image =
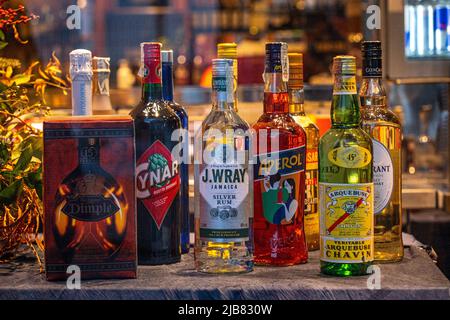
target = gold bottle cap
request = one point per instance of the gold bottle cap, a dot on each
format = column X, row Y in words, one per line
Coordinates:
column 344, row 65
column 227, row 50
column 295, row 70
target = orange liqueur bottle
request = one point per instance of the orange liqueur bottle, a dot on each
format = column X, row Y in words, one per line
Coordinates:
column 279, row 172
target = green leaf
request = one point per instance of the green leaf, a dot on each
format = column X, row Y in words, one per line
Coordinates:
column 21, row 79
column 4, row 154
column 33, row 179
column 2, row 35
column 9, row 194
column 3, row 44
column 24, row 159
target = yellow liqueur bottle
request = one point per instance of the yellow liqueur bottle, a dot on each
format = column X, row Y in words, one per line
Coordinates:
column 297, row 111
column 385, row 129
column 228, row 50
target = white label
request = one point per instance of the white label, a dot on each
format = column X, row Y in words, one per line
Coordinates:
column 383, row 176
column 224, row 203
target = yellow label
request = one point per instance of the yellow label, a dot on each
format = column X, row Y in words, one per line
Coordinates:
column 345, row 85
column 351, row 157
column 346, row 222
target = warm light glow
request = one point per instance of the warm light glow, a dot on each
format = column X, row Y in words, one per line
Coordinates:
column 82, row 4
column 412, row 170
column 181, row 59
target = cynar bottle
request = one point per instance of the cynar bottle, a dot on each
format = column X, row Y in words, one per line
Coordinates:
column 157, row 169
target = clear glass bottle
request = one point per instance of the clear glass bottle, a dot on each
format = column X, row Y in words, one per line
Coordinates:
column 223, row 177
column 345, row 181
column 385, row 129
column 297, row 111
column 101, row 101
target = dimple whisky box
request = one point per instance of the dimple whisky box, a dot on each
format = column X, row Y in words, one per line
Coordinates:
column 89, row 197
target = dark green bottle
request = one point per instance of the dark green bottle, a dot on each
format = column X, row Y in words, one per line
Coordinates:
column 345, row 181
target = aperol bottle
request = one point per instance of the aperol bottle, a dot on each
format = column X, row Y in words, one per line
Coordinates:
column 279, row 170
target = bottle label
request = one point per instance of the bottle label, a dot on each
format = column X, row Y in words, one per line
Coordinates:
column 372, row 68
column 311, row 187
column 224, row 202
column 344, row 85
column 277, row 183
column 346, row 222
column 223, row 86
column 351, row 157
column 383, row 176
column 277, row 60
column 158, row 180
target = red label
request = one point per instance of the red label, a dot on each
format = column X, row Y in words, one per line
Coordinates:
column 158, row 180
column 151, row 53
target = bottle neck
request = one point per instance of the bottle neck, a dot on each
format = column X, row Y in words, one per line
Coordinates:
column 101, row 98
column 223, row 100
column 372, row 93
column 88, row 152
column 297, row 101
column 276, row 98
column 82, row 95
column 151, row 92
column 167, row 79
column 345, row 108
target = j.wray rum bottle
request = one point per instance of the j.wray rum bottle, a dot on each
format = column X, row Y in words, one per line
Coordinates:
column 279, row 170
column 223, row 174
column 385, row 129
column 157, row 171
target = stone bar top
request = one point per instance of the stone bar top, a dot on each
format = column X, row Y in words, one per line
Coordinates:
column 416, row 277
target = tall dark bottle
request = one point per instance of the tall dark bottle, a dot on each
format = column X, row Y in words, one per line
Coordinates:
column 157, row 170
column 167, row 78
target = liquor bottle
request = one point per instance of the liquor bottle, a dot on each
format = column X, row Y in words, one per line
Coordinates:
column 345, row 181
column 101, row 101
column 91, row 213
column 229, row 51
column 385, row 129
column 279, row 172
column 167, row 78
column 223, row 216
column 157, row 171
column 297, row 111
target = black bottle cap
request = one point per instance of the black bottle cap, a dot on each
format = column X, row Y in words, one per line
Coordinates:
column 372, row 59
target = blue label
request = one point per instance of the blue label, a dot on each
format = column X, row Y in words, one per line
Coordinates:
column 283, row 163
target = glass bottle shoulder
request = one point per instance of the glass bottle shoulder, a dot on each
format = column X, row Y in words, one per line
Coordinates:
column 178, row 108
column 380, row 115
column 223, row 120
column 281, row 121
column 341, row 137
column 156, row 109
